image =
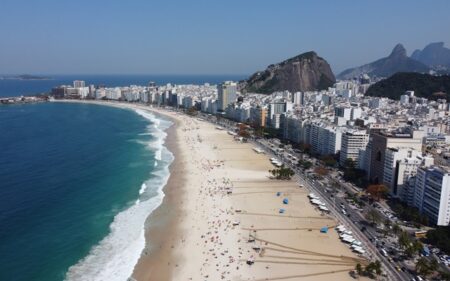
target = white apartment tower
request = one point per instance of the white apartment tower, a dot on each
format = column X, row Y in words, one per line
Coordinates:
column 79, row 84
column 226, row 94
column 432, row 194
column 352, row 142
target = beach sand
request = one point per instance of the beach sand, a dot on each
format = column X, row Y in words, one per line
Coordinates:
column 201, row 232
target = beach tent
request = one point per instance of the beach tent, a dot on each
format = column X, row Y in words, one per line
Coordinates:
column 282, row 211
column 324, row 229
column 285, row 201
column 278, row 193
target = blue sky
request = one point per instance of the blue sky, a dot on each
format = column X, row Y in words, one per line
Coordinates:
column 207, row 37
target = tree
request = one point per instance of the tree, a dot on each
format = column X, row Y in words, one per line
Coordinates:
column 377, row 267
column 403, row 240
column 373, row 216
column 349, row 164
column 321, row 171
column 444, row 275
column 417, row 246
column 373, row 267
column 305, row 164
column 305, row 147
column 243, row 131
column 329, row 160
column 423, row 267
column 377, row 191
column 282, row 173
column 192, row 111
column 359, row 269
column 439, row 237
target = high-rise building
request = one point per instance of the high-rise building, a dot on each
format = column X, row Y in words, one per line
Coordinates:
column 226, row 94
column 345, row 112
column 78, row 84
column 432, row 194
column 352, row 142
column 401, row 164
column 299, row 98
column 379, row 141
column 258, row 116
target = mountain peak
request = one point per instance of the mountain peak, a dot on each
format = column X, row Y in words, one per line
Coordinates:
column 304, row 72
column 398, row 51
column 397, row 61
column 434, row 55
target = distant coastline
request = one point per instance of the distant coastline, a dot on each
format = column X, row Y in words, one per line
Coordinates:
column 25, row 77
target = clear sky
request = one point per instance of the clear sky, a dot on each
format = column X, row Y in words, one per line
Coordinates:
column 207, row 37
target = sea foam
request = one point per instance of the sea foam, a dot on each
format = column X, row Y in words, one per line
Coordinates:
column 116, row 255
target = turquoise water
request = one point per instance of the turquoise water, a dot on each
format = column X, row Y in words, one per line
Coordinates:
column 72, row 189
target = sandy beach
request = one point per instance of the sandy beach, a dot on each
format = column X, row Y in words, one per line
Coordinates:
column 218, row 198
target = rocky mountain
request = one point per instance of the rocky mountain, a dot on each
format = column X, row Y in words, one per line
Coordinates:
column 424, row 85
column 434, row 55
column 305, row 72
column 397, row 61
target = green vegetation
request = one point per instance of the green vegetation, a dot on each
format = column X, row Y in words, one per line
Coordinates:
column 192, row 111
column 304, row 148
column 424, row 267
column 411, row 247
column 439, row 237
column 329, row 160
column 408, row 213
column 305, row 164
column 370, row 270
column 377, row 191
column 423, row 85
column 353, row 174
column 373, row 216
column 282, row 173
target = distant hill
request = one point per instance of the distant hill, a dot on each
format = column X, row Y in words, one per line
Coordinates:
column 423, row 85
column 25, row 77
column 305, row 72
column 435, row 55
column 397, row 61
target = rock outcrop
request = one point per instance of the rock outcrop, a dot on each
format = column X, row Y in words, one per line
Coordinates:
column 305, row 72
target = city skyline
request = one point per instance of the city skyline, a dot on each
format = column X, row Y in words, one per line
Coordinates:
column 207, row 38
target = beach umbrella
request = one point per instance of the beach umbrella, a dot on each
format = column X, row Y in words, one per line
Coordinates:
column 324, row 229
column 282, row 211
column 278, row 193
column 285, row 201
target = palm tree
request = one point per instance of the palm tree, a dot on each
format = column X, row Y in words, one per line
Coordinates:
column 377, row 267
column 359, row 269
column 417, row 246
column 403, row 240
column 422, row 267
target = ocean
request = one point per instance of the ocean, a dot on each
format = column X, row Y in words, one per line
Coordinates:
column 77, row 183
column 12, row 88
